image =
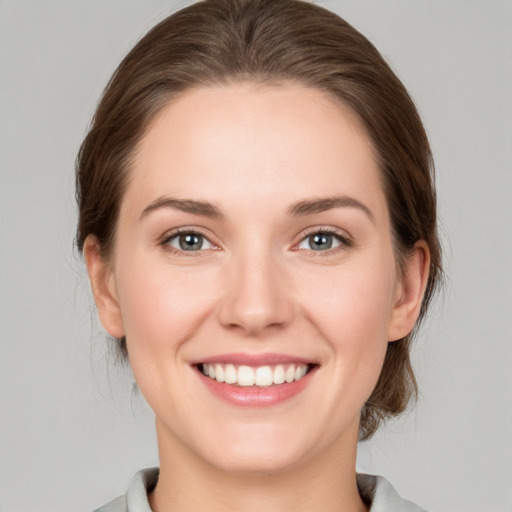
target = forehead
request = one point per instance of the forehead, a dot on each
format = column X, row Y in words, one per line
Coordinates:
column 253, row 142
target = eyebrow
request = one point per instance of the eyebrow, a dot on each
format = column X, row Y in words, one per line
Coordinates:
column 319, row 205
column 202, row 208
column 299, row 209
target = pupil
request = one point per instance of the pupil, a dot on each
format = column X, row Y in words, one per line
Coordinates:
column 320, row 241
column 190, row 242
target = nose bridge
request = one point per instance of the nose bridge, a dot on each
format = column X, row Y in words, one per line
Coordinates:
column 256, row 295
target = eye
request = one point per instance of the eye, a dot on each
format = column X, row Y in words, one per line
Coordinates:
column 322, row 241
column 189, row 241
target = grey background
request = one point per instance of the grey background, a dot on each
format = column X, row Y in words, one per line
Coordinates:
column 71, row 431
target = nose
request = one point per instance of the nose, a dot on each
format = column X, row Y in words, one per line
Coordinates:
column 257, row 297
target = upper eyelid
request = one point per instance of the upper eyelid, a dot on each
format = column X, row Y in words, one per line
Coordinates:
column 342, row 233
column 184, row 230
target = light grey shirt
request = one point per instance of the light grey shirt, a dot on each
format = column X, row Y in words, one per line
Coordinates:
column 373, row 489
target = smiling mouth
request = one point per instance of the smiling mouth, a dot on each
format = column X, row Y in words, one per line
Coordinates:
column 259, row 376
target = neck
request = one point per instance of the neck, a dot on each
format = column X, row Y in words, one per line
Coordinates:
column 189, row 483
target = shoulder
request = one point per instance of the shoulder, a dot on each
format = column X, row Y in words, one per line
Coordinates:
column 377, row 491
column 136, row 498
column 116, row 505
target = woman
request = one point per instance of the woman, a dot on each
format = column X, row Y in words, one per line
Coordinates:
column 258, row 220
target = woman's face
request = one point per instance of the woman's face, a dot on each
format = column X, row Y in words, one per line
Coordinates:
column 254, row 244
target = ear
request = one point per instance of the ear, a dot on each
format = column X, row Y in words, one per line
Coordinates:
column 103, row 287
column 410, row 291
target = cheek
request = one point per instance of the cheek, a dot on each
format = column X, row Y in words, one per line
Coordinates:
column 348, row 299
column 351, row 309
column 161, row 306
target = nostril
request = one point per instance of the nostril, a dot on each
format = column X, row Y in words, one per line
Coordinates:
column 256, row 299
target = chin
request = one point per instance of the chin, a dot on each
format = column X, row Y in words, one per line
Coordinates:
column 258, row 452
column 255, row 464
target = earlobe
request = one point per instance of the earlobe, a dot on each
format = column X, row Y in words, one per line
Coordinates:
column 410, row 292
column 103, row 288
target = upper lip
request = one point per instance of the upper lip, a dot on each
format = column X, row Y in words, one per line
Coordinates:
column 239, row 359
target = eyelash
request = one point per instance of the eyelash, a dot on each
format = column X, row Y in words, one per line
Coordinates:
column 345, row 242
column 168, row 237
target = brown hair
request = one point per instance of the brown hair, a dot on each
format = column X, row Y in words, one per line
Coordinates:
column 220, row 41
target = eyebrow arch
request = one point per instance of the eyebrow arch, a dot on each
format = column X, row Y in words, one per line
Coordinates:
column 312, row 206
column 185, row 205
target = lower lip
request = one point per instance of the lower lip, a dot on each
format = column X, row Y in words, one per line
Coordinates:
column 251, row 396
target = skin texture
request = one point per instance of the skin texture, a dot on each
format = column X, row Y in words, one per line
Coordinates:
column 257, row 286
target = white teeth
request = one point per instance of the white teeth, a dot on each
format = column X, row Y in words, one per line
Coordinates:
column 219, row 373
column 245, row 376
column 300, row 372
column 262, row 376
column 278, row 374
column 230, row 374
